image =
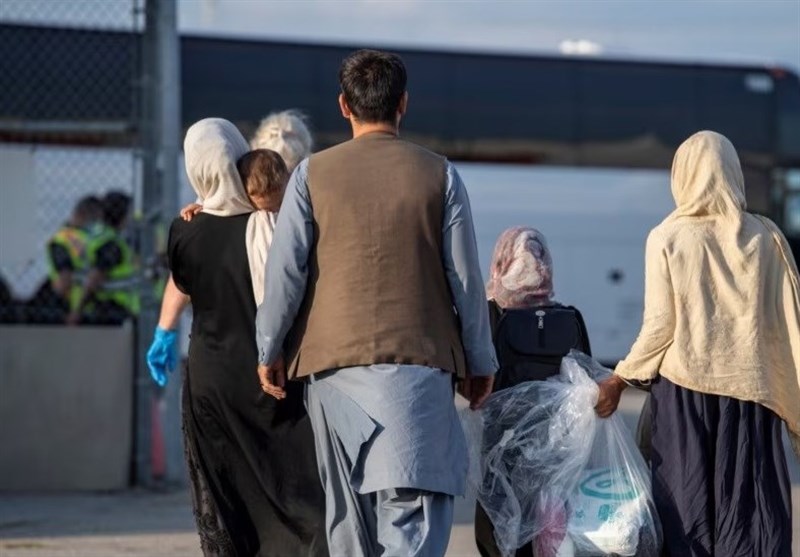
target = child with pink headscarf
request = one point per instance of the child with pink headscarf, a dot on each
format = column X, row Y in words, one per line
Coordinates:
column 521, row 273
column 520, row 278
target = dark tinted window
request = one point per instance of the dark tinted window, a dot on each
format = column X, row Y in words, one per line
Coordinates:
column 513, row 98
column 246, row 80
column 788, row 100
column 626, row 103
column 428, row 117
column 738, row 105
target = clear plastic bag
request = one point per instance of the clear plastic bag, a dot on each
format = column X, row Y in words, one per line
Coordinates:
column 554, row 473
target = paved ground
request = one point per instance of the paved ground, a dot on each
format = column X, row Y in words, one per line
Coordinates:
column 146, row 524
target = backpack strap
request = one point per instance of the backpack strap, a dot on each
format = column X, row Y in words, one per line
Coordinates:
column 496, row 314
column 586, row 348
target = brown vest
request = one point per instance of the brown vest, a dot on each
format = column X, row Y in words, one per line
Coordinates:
column 377, row 289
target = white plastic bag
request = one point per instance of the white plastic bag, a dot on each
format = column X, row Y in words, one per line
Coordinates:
column 552, row 469
column 472, row 424
column 606, row 517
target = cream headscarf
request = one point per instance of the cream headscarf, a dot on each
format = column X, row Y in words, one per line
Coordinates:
column 707, row 181
column 211, row 148
column 521, row 273
column 707, row 178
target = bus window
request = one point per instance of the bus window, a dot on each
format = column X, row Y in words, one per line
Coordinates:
column 624, row 102
column 267, row 77
column 788, row 100
column 730, row 105
column 513, row 98
column 428, row 81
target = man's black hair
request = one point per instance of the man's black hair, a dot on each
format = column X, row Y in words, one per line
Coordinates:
column 115, row 208
column 89, row 208
column 373, row 84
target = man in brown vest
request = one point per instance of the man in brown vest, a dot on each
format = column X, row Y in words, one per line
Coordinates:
column 374, row 295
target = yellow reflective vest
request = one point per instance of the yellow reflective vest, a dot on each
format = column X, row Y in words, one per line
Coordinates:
column 122, row 281
column 76, row 242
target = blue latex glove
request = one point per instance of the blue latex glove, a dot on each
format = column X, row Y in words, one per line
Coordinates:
column 161, row 357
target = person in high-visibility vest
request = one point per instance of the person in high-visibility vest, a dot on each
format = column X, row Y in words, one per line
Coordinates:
column 110, row 295
column 67, row 259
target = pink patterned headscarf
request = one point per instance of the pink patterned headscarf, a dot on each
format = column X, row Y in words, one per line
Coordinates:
column 521, row 273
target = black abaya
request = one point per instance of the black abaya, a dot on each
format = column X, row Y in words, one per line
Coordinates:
column 251, row 458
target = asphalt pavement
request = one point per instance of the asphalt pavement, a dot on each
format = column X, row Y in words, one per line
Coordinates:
column 160, row 524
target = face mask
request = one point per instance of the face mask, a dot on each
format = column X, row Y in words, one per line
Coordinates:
column 94, row 228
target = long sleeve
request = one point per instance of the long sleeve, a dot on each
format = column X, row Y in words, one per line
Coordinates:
column 460, row 254
column 658, row 324
column 286, row 272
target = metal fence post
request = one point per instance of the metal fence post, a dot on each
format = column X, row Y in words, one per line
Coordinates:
column 168, row 152
column 160, row 127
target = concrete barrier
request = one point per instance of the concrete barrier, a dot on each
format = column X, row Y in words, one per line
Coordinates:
column 66, row 407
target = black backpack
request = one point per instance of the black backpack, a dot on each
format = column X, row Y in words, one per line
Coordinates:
column 530, row 343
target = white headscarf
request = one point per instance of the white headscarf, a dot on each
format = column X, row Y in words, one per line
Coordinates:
column 287, row 134
column 211, row 148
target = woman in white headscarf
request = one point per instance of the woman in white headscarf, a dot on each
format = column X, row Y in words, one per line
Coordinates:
column 720, row 342
column 287, row 134
column 251, row 457
column 284, row 132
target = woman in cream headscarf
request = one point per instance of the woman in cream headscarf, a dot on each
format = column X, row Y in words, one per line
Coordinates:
column 251, row 458
column 720, row 342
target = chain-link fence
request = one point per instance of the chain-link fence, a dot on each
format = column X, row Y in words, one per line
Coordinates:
column 69, row 121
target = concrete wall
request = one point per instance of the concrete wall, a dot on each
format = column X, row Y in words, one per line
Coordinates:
column 66, row 407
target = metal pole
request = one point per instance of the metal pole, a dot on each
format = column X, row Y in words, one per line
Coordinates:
column 168, row 153
column 170, row 107
column 160, row 129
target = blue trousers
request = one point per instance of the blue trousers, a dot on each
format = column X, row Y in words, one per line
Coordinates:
column 399, row 522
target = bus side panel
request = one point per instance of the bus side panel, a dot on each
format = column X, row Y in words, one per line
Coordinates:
column 596, row 222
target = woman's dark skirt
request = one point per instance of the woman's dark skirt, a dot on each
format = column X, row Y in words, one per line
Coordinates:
column 720, row 480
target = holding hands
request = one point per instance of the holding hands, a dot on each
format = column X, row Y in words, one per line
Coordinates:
column 610, row 393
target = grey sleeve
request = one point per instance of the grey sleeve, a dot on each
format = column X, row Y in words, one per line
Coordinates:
column 460, row 254
column 287, row 267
